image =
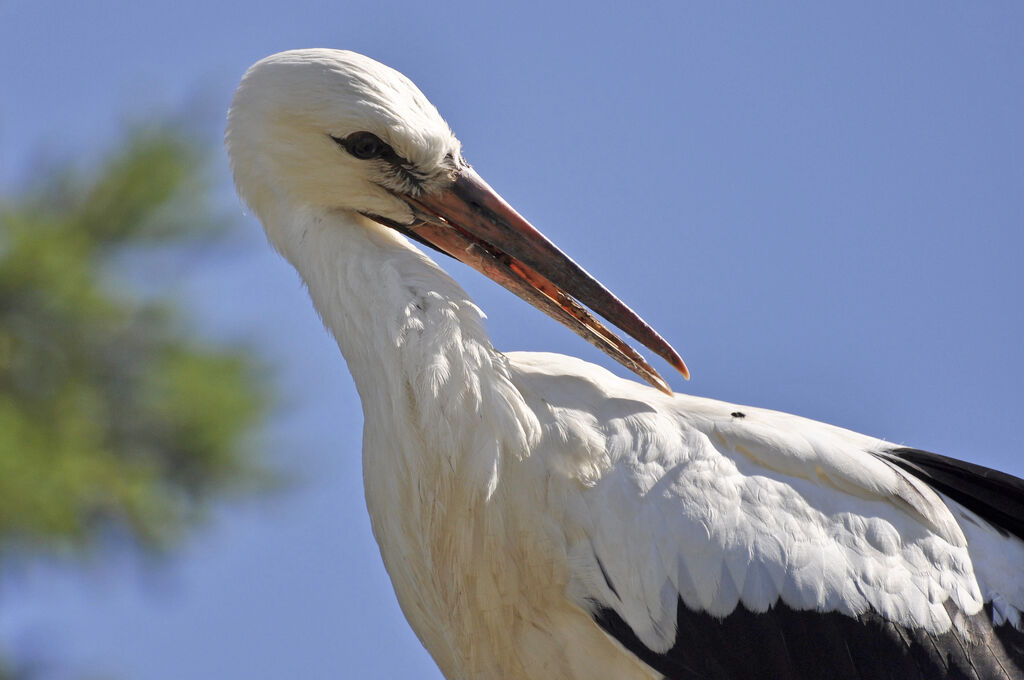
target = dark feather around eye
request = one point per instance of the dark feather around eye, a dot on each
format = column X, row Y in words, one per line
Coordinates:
column 364, row 145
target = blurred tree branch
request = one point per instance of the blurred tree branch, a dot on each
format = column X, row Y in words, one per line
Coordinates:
column 113, row 421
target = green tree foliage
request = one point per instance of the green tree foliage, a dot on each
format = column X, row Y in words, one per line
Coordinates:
column 113, row 421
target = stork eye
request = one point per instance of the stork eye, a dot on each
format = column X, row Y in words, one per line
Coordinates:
column 363, row 145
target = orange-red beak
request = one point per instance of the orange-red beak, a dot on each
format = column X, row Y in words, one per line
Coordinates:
column 470, row 222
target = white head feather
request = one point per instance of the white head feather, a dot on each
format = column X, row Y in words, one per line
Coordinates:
column 290, row 106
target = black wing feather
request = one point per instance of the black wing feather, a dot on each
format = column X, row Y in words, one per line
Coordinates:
column 786, row 644
column 994, row 496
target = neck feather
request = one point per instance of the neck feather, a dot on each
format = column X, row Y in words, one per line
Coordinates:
column 413, row 339
column 444, row 428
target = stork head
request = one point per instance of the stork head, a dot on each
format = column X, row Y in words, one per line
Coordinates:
column 336, row 131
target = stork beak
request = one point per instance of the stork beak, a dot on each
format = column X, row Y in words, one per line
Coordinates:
column 473, row 224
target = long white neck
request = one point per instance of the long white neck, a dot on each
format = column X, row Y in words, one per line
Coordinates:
column 442, row 419
column 413, row 339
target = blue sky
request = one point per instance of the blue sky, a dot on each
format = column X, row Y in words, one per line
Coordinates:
column 821, row 207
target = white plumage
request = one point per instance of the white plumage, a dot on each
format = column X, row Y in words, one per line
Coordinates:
column 535, row 512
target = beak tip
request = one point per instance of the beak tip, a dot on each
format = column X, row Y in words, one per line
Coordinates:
column 473, row 224
column 680, row 365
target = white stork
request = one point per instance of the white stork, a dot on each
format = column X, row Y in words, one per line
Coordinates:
column 542, row 518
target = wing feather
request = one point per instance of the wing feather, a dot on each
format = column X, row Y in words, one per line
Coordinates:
column 690, row 510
